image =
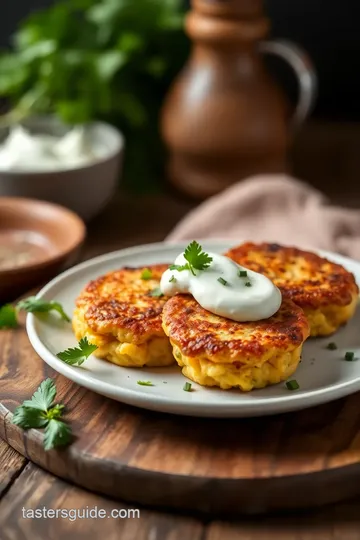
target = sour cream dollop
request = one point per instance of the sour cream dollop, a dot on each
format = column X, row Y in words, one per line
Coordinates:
column 225, row 288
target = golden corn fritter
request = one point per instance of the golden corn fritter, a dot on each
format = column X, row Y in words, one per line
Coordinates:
column 214, row 351
column 326, row 292
column 117, row 313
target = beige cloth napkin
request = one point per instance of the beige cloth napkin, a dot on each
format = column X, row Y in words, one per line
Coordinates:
column 274, row 208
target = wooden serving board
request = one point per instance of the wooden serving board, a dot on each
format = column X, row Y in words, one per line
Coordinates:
column 293, row 460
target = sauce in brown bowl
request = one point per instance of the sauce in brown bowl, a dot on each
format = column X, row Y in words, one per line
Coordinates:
column 37, row 240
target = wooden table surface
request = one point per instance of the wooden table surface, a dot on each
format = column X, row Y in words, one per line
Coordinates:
column 130, row 221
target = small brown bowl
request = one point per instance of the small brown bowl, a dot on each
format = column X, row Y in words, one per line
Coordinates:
column 37, row 241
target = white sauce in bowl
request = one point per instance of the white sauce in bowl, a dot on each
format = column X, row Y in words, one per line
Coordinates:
column 25, row 151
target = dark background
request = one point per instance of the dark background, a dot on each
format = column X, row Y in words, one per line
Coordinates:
column 328, row 29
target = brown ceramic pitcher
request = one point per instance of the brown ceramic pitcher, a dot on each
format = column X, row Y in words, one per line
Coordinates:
column 225, row 118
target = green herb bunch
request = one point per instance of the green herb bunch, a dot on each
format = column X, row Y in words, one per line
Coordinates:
column 41, row 412
column 98, row 59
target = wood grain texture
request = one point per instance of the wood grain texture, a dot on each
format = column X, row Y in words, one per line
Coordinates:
column 229, row 466
column 11, row 465
column 36, row 489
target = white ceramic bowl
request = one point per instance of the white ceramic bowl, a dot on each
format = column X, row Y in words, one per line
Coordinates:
column 86, row 189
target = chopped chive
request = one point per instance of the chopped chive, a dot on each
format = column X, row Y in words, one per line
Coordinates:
column 172, row 279
column 145, row 383
column 349, row 356
column 222, row 281
column 292, row 385
column 156, row 292
column 187, row 387
column 331, row 346
column 146, row 274
column 248, row 284
column 242, row 273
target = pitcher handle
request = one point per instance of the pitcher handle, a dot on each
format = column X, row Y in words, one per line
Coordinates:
column 305, row 71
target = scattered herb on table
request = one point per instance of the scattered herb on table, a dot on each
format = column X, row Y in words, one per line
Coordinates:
column 222, row 281
column 248, row 284
column 8, row 317
column 242, row 273
column 331, row 346
column 8, row 313
column 292, row 385
column 41, row 412
column 146, row 274
column 196, row 259
column 145, row 383
column 349, row 356
column 77, row 355
column 187, row 387
column 37, row 305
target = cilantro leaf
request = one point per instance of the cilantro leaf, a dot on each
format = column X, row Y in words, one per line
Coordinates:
column 77, row 355
column 8, row 317
column 40, row 412
column 196, row 257
column 37, row 305
column 57, row 433
column 27, row 418
column 43, row 397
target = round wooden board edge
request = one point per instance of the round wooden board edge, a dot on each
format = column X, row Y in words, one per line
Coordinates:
column 224, row 496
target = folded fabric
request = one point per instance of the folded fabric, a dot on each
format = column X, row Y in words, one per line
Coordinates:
column 274, row 208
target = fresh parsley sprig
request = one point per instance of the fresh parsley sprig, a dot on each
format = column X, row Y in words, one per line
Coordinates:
column 196, row 259
column 37, row 305
column 77, row 355
column 41, row 412
column 8, row 313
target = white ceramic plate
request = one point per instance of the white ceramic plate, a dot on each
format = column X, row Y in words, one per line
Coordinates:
column 323, row 375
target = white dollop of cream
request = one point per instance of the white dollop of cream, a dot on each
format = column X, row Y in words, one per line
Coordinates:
column 233, row 300
column 25, row 151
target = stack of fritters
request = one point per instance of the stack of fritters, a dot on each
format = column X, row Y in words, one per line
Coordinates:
column 132, row 325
